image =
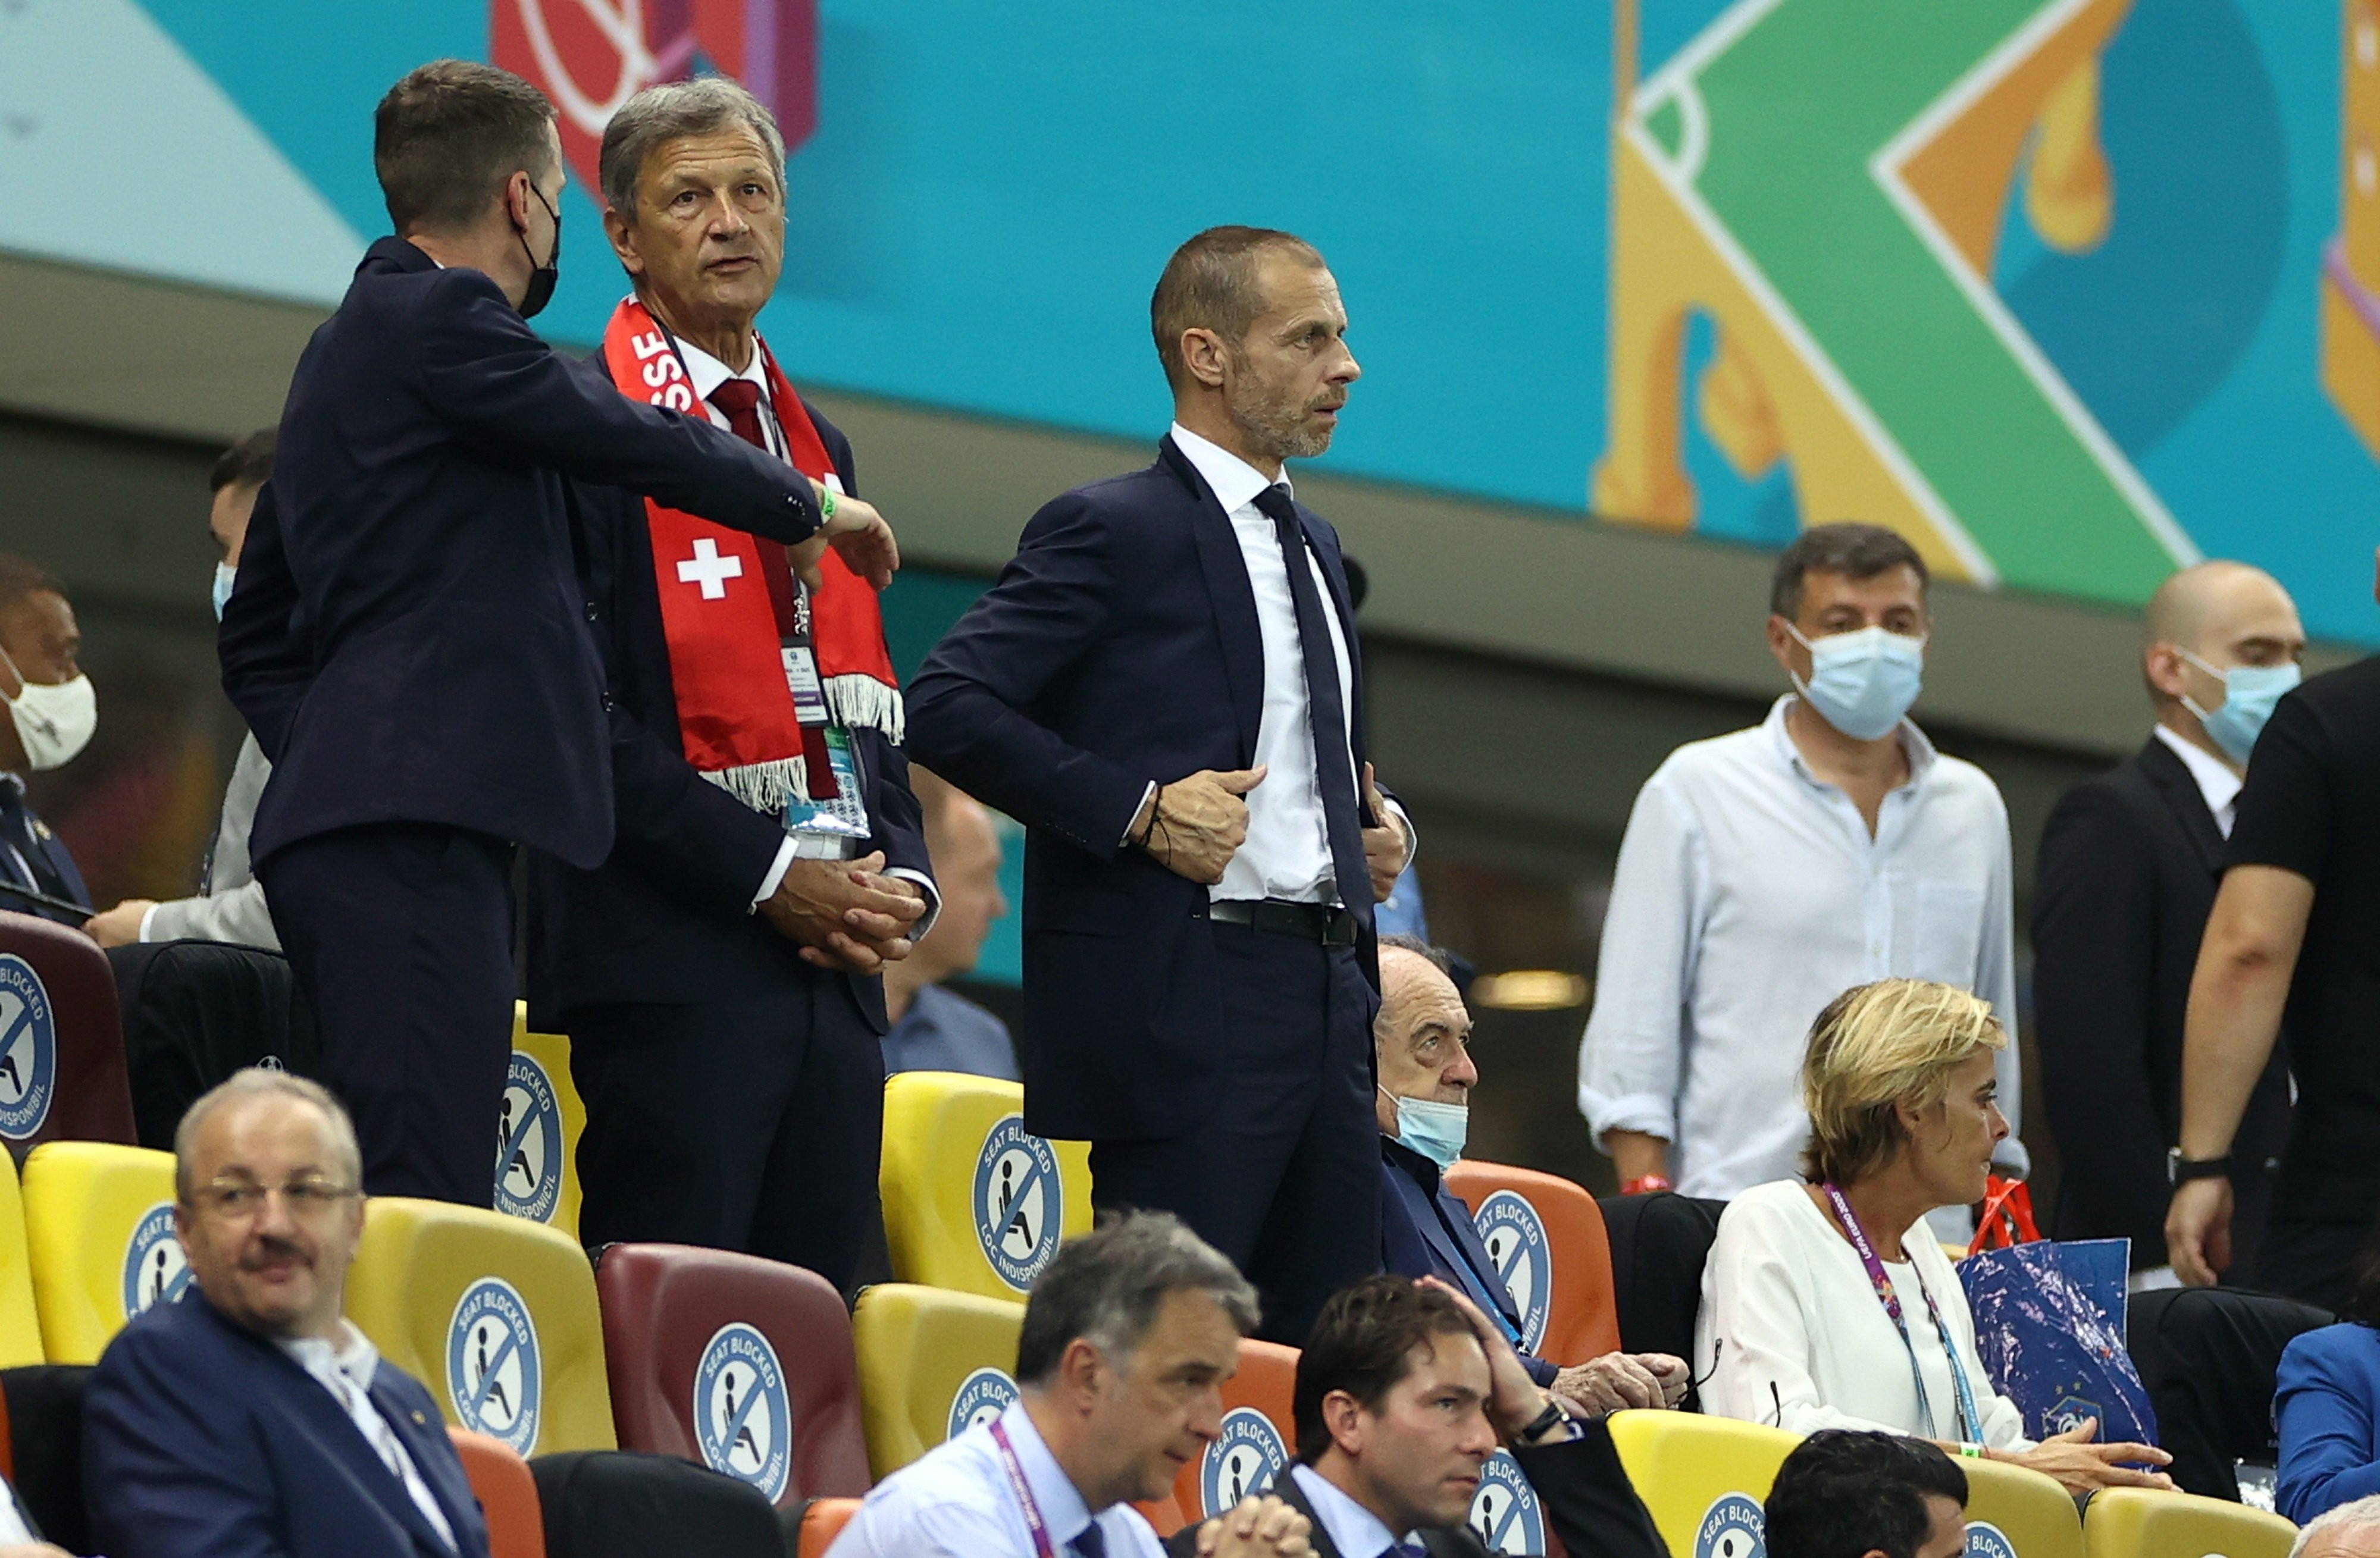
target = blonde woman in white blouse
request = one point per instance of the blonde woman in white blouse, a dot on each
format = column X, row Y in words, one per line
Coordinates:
column 1828, row 1304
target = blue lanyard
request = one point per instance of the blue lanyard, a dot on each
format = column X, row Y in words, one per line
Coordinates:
column 1970, row 1421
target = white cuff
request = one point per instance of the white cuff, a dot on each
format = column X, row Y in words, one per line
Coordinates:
column 1147, row 796
column 1412, row 834
column 776, row 876
column 1647, row 1114
column 933, row 900
column 148, row 918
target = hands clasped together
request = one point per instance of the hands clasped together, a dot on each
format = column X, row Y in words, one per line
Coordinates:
column 847, row 914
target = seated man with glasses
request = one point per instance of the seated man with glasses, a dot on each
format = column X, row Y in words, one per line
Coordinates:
column 252, row 1419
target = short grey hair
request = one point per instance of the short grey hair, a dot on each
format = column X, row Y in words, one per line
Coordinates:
column 2365, row 1510
column 1438, row 958
column 255, row 1083
column 706, row 105
column 1107, row 1286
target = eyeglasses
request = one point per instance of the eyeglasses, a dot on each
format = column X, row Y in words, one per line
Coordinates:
column 236, row 1200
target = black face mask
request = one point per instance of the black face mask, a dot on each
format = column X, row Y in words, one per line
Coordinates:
column 541, row 277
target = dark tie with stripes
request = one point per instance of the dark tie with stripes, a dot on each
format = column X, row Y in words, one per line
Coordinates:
column 1326, row 710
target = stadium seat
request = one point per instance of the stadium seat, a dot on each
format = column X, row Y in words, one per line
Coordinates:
column 1260, row 1433
column 1547, row 1235
column 62, row 1074
column 2036, row 1515
column 537, row 1132
column 930, row 1363
column 20, row 1322
column 1703, row 1478
column 507, row 1494
column 742, row 1364
column 822, row 1521
column 2142, row 1523
column 99, row 1236
column 496, row 1315
column 971, row 1202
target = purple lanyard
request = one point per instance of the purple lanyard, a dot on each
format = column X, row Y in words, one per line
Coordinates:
column 1033, row 1521
column 1970, row 1423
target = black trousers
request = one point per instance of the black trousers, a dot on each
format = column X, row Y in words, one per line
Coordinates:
column 400, row 934
column 2313, row 1262
column 753, row 1125
column 2208, row 1356
column 1285, row 1177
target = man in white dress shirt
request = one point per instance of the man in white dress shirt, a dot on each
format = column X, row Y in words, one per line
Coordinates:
column 1765, row 872
column 1165, row 686
column 1129, row 1333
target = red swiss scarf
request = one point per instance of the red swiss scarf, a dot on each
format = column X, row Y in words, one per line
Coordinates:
column 735, row 706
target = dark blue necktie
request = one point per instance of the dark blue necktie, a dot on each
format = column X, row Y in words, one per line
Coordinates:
column 1326, row 711
column 1091, row 1543
column 16, row 827
column 1407, row 1550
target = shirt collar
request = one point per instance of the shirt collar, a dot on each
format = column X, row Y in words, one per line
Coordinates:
column 2215, row 781
column 1232, row 480
column 708, row 372
column 350, row 1353
column 1355, row 1531
column 1063, row 1513
column 1913, row 745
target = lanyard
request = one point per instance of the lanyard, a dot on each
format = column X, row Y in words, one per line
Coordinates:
column 1033, row 1521
column 1970, row 1422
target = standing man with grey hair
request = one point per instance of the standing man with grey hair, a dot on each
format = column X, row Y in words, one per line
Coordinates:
column 1129, row 1333
column 407, row 637
column 1765, row 872
column 2351, row 1531
column 719, row 976
column 1166, row 688
column 251, row 1417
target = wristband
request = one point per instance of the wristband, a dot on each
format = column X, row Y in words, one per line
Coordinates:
column 826, row 504
column 1543, row 1421
column 1644, row 1182
column 1971, row 1451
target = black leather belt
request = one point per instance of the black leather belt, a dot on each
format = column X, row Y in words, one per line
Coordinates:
column 1325, row 922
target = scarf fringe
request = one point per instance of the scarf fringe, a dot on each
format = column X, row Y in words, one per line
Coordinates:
column 856, row 698
column 764, row 787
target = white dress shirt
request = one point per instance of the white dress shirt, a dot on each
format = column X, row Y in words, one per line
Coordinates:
column 1287, row 854
column 1749, row 894
column 2216, row 779
column 1355, row 1531
column 345, row 1367
column 707, row 373
column 1792, row 1335
column 956, row 1502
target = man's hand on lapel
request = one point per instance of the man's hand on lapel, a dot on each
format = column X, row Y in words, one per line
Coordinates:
column 1387, row 847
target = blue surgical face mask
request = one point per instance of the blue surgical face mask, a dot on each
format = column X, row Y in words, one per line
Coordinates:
column 1435, row 1130
column 1863, row 683
column 2249, row 694
column 225, row 574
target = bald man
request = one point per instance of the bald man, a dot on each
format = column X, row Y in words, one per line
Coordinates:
column 2129, row 863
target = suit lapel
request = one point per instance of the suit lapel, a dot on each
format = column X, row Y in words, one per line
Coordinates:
column 1294, row 1496
column 1475, row 1249
column 2173, row 781
column 424, row 1438
column 1234, row 599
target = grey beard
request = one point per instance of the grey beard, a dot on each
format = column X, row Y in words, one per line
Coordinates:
column 1274, row 427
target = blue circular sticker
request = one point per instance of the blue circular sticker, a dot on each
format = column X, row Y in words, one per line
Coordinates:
column 1515, row 1237
column 529, row 1142
column 1505, row 1514
column 743, row 1416
column 1987, row 1540
column 28, row 1049
column 494, row 1375
column 1241, row 1463
column 982, row 1396
column 1019, row 1202
column 154, row 1270
column 1732, row 1527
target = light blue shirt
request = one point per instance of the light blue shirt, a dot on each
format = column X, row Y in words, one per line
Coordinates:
column 1355, row 1531
column 956, row 1502
column 943, row 1031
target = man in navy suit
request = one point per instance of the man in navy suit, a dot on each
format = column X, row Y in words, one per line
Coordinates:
column 719, row 974
column 407, row 637
column 1164, row 686
column 252, row 1419
column 52, row 712
column 1423, row 1036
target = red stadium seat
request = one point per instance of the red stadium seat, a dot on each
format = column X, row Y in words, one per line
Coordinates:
column 824, row 1521
column 62, row 1075
column 507, row 1494
column 1259, row 1434
column 689, row 1332
column 1548, row 1234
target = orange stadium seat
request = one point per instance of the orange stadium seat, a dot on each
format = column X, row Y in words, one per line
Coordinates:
column 1260, row 1433
column 822, row 1521
column 507, row 1494
column 742, row 1364
column 1546, row 1236
column 62, row 1073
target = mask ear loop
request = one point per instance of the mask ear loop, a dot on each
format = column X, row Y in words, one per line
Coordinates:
column 2192, row 704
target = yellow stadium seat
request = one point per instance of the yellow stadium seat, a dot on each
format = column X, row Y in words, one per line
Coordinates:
column 971, row 1202
column 20, row 1322
column 2031, row 1514
column 2138, row 1523
column 495, row 1314
column 99, row 1237
column 931, row 1363
column 1703, row 1478
column 537, row 1133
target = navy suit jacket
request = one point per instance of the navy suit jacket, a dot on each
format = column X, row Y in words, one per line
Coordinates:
column 202, row 1439
column 1426, row 1231
column 668, row 917
column 1119, row 647
column 40, row 837
column 407, row 637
